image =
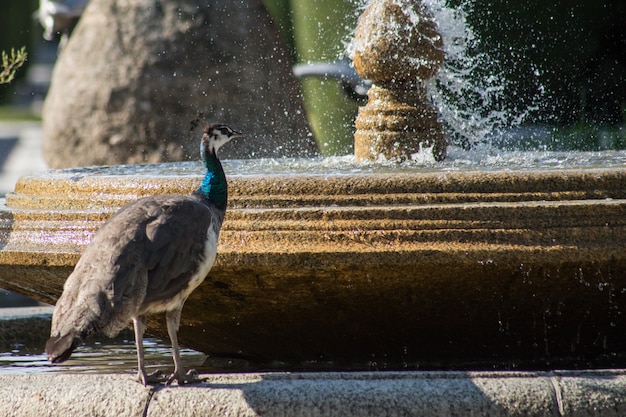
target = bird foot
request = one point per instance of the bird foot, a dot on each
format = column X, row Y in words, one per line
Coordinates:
column 190, row 377
column 157, row 377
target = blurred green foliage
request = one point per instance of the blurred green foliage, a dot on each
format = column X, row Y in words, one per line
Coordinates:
column 11, row 63
column 17, row 24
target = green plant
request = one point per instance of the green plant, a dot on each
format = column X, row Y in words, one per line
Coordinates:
column 11, row 63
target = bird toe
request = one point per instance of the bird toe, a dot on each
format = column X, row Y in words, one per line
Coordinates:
column 190, row 377
column 157, row 377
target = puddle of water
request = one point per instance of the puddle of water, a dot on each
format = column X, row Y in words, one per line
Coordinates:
column 99, row 356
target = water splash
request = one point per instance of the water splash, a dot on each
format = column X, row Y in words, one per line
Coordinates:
column 479, row 158
column 470, row 90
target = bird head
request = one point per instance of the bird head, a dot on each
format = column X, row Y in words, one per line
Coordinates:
column 215, row 135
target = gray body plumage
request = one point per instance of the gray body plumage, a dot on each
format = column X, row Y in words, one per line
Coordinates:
column 157, row 247
column 146, row 259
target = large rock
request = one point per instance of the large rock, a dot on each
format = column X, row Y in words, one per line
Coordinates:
column 136, row 72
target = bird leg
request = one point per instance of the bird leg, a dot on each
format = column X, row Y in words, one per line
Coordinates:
column 139, row 324
column 173, row 323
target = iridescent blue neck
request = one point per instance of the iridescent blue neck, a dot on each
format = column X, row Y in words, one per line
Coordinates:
column 214, row 187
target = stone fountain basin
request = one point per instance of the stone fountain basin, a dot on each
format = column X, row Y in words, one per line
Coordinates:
column 369, row 269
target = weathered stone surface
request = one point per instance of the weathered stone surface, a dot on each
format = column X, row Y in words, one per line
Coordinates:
column 397, row 124
column 24, row 326
column 72, row 395
column 369, row 270
column 135, row 73
column 397, row 46
column 364, row 394
column 397, row 41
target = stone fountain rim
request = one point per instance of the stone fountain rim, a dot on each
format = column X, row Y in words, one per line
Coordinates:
column 371, row 168
column 99, row 174
column 369, row 224
column 105, row 188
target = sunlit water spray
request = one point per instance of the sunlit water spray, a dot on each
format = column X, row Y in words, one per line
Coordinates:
column 468, row 91
column 474, row 99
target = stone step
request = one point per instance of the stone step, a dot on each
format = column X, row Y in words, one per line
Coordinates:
column 419, row 394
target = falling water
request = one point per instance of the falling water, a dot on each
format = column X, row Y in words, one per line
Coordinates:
column 472, row 94
column 469, row 89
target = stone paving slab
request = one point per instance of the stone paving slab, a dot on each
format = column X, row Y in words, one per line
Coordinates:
column 591, row 393
column 72, row 395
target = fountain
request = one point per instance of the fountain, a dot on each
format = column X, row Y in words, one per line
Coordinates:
column 398, row 48
column 334, row 264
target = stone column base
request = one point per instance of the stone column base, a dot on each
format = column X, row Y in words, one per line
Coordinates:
column 397, row 125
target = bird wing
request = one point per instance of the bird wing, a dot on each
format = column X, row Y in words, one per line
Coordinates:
column 177, row 247
column 143, row 253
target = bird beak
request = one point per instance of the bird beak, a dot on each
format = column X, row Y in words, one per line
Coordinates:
column 237, row 134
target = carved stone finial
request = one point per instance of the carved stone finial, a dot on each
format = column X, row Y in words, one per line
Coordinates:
column 397, row 46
